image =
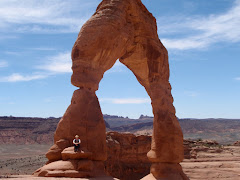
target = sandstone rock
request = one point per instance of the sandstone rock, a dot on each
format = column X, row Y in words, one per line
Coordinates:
column 72, row 168
column 68, row 153
column 118, row 30
column 85, row 165
column 59, row 166
column 127, row 158
column 124, row 30
column 84, row 117
column 54, row 153
column 170, row 171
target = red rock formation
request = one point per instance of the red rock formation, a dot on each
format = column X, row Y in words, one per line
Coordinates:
column 84, row 117
column 54, row 153
column 72, row 168
column 124, row 30
column 127, row 158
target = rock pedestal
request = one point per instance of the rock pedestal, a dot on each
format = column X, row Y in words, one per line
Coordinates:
column 74, row 164
column 124, row 30
column 163, row 171
column 83, row 117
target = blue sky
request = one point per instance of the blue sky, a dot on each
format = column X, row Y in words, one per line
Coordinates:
column 202, row 38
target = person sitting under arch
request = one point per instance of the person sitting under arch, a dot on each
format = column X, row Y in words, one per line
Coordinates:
column 76, row 143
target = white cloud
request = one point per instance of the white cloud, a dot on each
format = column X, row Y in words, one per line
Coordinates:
column 191, row 93
column 184, row 44
column 3, row 64
column 201, row 32
column 16, row 77
column 43, row 16
column 60, row 63
column 237, row 78
column 125, row 100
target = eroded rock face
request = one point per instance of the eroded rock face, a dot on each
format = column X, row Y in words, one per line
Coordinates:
column 127, row 158
column 84, row 117
column 124, row 30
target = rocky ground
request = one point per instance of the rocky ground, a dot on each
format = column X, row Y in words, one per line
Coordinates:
column 204, row 159
column 214, row 163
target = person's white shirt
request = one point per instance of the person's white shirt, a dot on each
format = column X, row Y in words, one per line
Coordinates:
column 75, row 142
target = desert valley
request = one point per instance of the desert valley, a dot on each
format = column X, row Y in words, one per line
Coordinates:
column 211, row 150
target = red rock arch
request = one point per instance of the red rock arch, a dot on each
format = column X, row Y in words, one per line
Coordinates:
column 124, row 30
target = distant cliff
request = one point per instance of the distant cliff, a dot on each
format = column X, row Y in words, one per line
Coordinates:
column 30, row 130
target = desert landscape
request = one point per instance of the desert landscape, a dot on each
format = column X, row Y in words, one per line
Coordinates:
column 119, row 90
column 204, row 158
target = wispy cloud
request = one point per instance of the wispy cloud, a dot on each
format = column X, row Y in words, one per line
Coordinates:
column 200, row 32
column 44, row 16
column 3, row 64
column 60, row 63
column 125, row 100
column 48, row 100
column 14, row 53
column 191, row 93
column 16, row 77
column 237, row 78
column 42, row 49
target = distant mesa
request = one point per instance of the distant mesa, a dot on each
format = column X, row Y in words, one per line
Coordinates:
column 145, row 117
column 30, row 130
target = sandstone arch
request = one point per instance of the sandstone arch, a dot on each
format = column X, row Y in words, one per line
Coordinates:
column 124, row 30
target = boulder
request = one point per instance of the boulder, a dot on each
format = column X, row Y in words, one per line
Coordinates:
column 54, row 153
column 72, row 168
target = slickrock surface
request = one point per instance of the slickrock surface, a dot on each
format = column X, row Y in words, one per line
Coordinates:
column 72, row 168
column 220, row 163
column 68, row 153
